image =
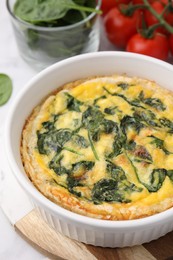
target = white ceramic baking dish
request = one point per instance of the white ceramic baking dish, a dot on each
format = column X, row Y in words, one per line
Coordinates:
column 88, row 230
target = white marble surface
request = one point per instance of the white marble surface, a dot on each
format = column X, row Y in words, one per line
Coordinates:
column 15, row 203
column 12, row 246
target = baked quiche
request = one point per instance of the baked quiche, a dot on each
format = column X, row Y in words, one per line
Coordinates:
column 103, row 147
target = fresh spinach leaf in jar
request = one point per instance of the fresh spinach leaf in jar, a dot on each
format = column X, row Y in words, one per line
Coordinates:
column 54, row 14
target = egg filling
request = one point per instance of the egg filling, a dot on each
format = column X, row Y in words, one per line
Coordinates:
column 103, row 147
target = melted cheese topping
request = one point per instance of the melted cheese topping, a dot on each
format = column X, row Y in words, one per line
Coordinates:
column 106, row 142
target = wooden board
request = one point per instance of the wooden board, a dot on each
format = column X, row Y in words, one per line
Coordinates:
column 56, row 246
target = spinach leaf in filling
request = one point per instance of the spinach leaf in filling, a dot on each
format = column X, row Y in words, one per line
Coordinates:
column 123, row 85
column 81, row 141
column 156, row 180
column 159, row 144
column 106, row 190
column 111, row 110
column 115, row 188
column 118, row 144
column 73, row 183
column 146, row 116
column 109, row 126
column 135, row 103
column 97, row 99
column 82, row 166
column 46, row 143
column 50, row 125
column 118, row 174
column 55, row 164
column 92, row 118
column 53, row 140
column 139, row 152
column 166, row 123
column 152, row 102
column 130, row 122
column 73, row 103
column 170, row 174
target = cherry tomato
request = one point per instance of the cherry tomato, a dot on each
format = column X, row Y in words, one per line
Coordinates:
column 138, row 2
column 169, row 14
column 120, row 28
column 157, row 47
column 169, row 18
column 171, row 43
column 165, row 2
column 106, row 5
column 151, row 19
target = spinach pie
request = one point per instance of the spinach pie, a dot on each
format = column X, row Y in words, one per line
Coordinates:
column 103, row 147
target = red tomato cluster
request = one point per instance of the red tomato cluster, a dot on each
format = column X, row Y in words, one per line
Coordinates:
column 124, row 30
column 108, row 4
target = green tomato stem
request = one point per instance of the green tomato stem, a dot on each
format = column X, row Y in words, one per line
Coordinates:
column 166, row 8
column 128, row 10
column 149, row 33
column 159, row 17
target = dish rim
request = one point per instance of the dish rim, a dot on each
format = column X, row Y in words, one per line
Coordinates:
column 38, row 196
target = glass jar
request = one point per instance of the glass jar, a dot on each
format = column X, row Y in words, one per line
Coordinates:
column 43, row 46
